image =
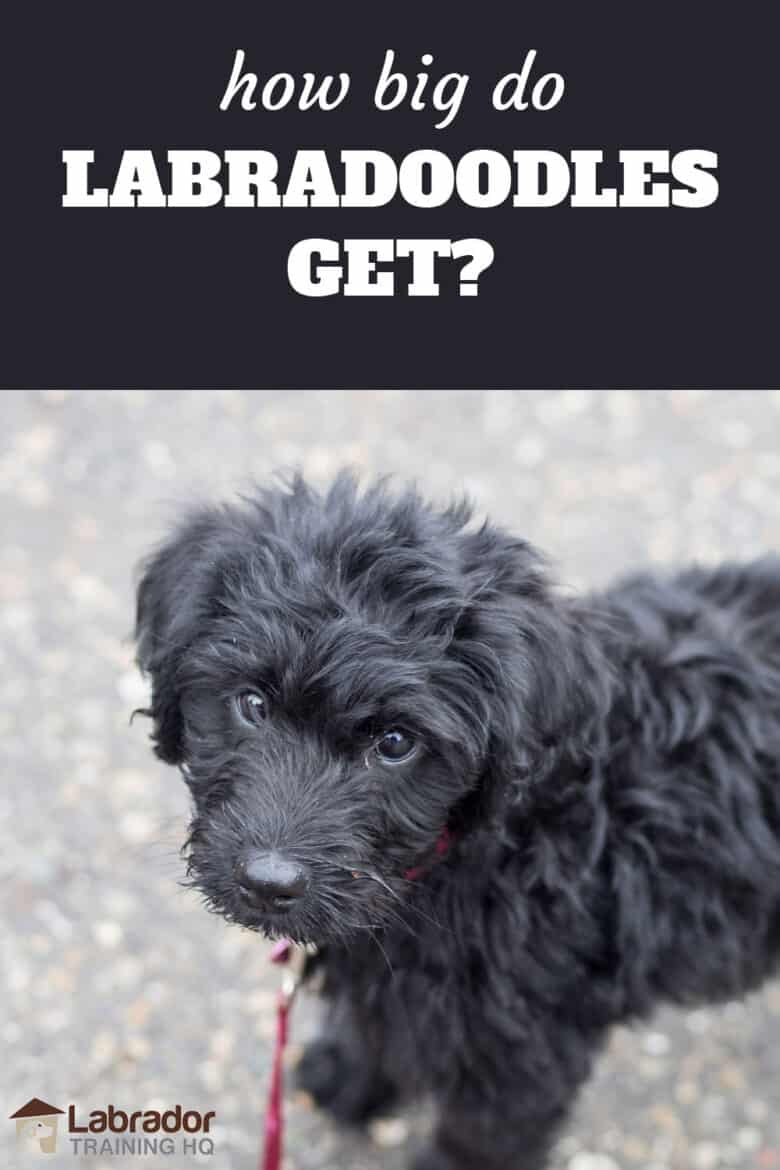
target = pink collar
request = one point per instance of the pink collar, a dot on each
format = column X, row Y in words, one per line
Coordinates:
column 443, row 845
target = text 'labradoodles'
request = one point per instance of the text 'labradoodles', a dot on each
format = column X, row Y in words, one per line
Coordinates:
column 508, row 819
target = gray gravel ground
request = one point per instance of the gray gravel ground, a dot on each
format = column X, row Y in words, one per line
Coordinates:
column 118, row 986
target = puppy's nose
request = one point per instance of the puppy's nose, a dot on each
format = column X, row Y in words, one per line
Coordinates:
column 269, row 880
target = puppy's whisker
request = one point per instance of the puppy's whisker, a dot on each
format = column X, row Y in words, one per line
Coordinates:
column 381, row 881
column 429, row 919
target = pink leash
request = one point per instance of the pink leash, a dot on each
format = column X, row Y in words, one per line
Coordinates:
column 271, row 1157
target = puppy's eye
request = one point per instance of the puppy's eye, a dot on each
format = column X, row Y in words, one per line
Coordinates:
column 395, row 747
column 252, row 707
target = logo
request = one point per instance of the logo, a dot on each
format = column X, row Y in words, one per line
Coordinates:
column 114, row 1132
column 36, row 1126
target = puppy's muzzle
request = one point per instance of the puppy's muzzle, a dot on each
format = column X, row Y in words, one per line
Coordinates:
column 269, row 881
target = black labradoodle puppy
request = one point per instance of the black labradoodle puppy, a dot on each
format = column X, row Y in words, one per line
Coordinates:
column 507, row 818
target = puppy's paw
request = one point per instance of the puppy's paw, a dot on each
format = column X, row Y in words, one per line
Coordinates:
column 321, row 1070
column 431, row 1157
column 341, row 1083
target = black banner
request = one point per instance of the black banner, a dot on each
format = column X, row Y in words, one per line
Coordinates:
column 315, row 195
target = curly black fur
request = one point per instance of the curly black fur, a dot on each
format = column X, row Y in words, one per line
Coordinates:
column 608, row 769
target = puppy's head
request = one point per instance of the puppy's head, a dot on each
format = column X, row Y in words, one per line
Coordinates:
column 340, row 677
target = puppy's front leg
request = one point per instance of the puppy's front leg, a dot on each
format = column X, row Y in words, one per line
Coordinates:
column 505, row 1115
column 495, row 1135
column 342, row 1071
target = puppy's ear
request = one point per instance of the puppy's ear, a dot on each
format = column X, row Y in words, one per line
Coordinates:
column 176, row 593
column 544, row 678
